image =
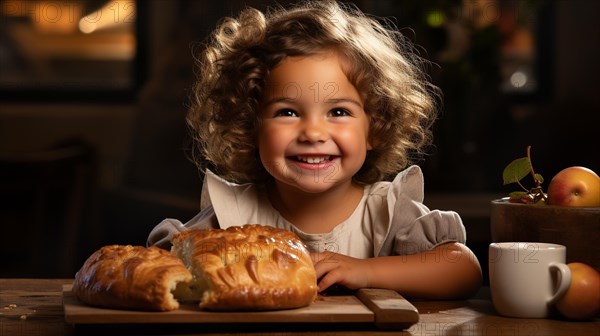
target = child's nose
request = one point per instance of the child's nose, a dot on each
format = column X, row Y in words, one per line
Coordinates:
column 314, row 130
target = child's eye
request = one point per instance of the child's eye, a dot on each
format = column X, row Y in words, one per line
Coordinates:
column 286, row 113
column 339, row 112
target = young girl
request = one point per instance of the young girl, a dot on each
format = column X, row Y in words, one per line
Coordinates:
column 302, row 116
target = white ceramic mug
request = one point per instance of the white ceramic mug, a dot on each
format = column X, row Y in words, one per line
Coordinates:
column 526, row 279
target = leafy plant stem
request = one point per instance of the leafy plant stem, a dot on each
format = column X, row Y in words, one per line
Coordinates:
column 537, row 182
column 517, row 170
column 522, row 186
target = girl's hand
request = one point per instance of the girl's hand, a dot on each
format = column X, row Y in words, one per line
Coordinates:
column 334, row 268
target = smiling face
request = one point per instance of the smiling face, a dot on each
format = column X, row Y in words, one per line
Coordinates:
column 313, row 133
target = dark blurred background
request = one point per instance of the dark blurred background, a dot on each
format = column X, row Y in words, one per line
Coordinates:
column 93, row 94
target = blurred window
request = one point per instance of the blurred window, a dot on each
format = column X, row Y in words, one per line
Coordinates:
column 67, row 49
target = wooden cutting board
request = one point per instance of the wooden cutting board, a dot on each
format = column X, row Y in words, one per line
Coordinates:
column 383, row 308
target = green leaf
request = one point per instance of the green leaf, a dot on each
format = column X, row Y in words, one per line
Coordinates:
column 516, row 170
column 539, row 178
column 521, row 197
column 517, row 194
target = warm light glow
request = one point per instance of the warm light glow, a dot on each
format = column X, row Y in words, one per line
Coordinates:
column 53, row 16
column 112, row 14
column 518, row 79
column 481, row 13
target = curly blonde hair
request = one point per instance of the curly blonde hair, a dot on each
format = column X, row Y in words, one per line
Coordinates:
column 224, row 118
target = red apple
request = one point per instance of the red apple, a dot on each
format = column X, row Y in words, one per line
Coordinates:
column 575, row 187
column 582, row 299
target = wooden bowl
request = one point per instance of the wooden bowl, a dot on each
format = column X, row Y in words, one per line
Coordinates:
column 576, row 228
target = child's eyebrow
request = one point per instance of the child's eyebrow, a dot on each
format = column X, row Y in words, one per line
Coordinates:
column 344, row 100
column 279, row 100
column 330, row 101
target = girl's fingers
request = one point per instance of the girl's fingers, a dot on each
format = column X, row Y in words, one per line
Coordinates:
column 325, row 264
column 330, row 278
column 325, row 267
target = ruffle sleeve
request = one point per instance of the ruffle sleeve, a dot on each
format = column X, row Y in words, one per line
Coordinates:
column 412, row 227
column 233, row 204
column 162, row 233
column 223, row 204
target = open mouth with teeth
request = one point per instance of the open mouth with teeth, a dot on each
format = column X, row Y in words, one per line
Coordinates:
column 312, row 159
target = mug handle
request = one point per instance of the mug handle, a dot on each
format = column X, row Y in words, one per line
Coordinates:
column 564, row 280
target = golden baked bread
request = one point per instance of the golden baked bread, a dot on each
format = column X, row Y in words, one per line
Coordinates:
column 131, row 277
column 250, row 267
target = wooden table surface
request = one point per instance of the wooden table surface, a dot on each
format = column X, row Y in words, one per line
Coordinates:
column 34, row 307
